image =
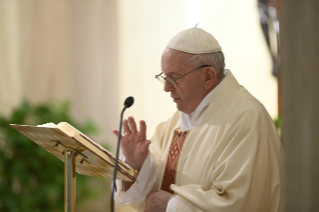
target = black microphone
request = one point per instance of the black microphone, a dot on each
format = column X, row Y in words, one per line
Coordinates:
column 128, row 103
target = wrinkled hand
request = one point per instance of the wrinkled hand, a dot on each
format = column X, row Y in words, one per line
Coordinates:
column 157, row 201
column 134, row 145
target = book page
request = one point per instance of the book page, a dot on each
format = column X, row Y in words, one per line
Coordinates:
column 51, row 125
column 68, row 129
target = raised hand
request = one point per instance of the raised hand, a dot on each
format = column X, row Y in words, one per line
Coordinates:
column 133, row 143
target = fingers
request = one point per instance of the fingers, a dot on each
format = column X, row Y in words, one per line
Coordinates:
column 129, row 125
column 143, row 128
column 132, row 124
column 126, row 127
column 144, row 147
column 115, row 132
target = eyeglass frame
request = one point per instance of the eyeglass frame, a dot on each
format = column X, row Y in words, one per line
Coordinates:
column 176, row 78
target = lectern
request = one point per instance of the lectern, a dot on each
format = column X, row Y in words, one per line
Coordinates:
column 79, row 153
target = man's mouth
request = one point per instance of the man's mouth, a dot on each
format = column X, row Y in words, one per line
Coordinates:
column 176, row 99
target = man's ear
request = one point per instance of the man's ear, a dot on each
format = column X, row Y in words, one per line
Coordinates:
column 210, row 77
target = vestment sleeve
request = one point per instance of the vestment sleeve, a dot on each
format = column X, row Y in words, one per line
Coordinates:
column 246, row 176
column 136, row 194
column 172, row 203
column 147, row 177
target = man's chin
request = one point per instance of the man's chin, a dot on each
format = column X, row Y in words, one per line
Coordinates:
column 182, row 108
column 179, row 107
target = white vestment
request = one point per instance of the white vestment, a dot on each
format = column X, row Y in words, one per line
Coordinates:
column 231, row 160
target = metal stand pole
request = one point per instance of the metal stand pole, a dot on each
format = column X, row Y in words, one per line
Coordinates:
column 69, row 180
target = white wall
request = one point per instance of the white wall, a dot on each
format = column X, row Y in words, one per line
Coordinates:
column 145, row 27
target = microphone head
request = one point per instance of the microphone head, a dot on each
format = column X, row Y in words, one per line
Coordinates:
column 128, row 102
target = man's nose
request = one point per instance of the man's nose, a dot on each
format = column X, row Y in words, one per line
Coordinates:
column 168, row 87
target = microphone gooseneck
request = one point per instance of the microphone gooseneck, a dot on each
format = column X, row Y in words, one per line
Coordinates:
column 128, row 103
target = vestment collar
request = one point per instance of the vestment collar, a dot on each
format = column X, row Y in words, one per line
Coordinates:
column 189, row 121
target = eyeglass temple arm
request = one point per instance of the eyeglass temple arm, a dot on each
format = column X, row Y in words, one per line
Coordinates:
column 158, row 75
column 191, row 71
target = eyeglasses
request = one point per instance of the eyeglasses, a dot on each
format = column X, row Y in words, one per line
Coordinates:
column 172, row 80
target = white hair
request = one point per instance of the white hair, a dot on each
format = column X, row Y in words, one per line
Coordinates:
column 215, row 59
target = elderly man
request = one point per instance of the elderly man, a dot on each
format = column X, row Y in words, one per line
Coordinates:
column 219, row 152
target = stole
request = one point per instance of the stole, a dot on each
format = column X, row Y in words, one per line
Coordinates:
column 174, row 153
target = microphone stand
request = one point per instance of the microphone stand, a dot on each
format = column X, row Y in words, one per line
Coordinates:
column 128, row 103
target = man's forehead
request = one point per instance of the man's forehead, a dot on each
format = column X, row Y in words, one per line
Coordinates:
column 175, row 62
column 170, row 73
column 173, row 57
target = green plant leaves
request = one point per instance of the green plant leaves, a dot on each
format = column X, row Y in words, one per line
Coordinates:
column 31, row 179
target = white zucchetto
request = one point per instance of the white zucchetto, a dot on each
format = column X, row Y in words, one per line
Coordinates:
column 195, row 41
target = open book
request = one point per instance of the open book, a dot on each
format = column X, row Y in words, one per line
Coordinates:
column 92, row 159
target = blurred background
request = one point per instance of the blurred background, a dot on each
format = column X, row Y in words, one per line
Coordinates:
column 78, row 60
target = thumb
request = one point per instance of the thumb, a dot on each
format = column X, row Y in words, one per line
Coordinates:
column 115, row 132
column 144, row 147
